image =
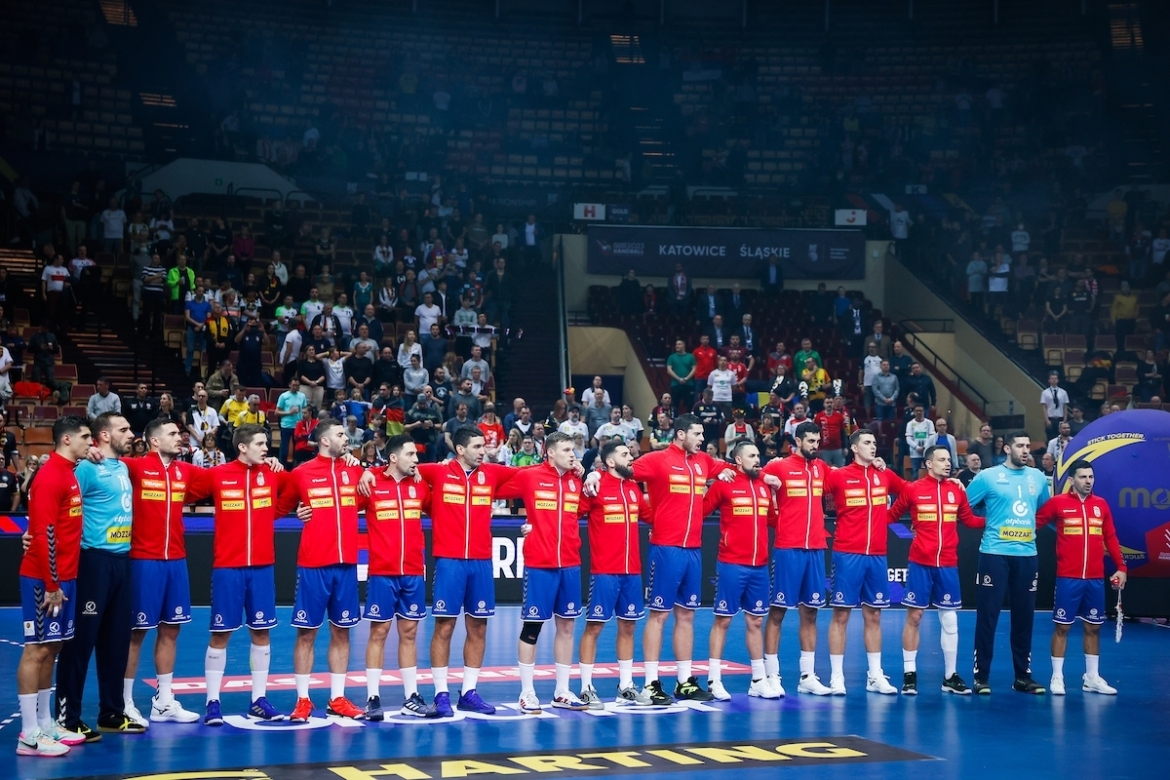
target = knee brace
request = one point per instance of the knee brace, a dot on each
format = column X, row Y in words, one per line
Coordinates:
column 949, row 621
column 530, row 631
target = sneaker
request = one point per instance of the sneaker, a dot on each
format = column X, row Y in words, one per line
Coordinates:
column 1056, row 685
column 120, row 723
column 955, row 684
column 717, row 691
column 417, row 706
column 65, row 736
column 880, row 684
column 910, row 684
column 89, row 734
column 303, row 711
column 214, row 716
column 1097, row 684
column 762, row 689
column 262, row 710
column 471, row 702
column 591, row 699
column 345, row 708
column 775, row 684
column 658, row 697
column 135, row 715
column 529, row 703
column 567, row 700
column 171, row 712
column 633, row 695
column 374, row 708
column 1028, row 685
column 981, row 688
column 810, row 683
column 837, row 684
column 690, row 690
column 39, row 744
column 443, row 705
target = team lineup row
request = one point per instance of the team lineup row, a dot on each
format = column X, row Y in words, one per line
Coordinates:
column 107, row 533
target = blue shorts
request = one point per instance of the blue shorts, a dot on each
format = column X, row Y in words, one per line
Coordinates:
column 549, row 592
column 927, row 585
column 1084, row 599
column 861, row 579
column 162, row 592
column 41, row 626
column 327, row 587
column 619, row 594
column 676, row 577
column 798, row 578
column 464, row 586
column 247, row 590
column 387, row 596
column 741, row 587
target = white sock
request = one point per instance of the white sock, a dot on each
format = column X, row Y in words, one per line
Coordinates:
column 757, row 668
column 625, row 672
column 164, row 688
column 586, row 676
column 949, row 639
column 373, row 680
column 563, row 672
column 910, row 660
column 336, row 685
column 128, row 690
column 836, row 665
column 44, row 709
column 875, row 663
column 259, row 657
column 214, row 663
column 771, row 664
column 527, row 672
column 714, row 669
column 651, row 671
column 302, row 681
column 470, row 679
column 950, row 661
column 1057, row 667
column 683, row 671
column 28, row 713
column 409, row 680
column 439, row 677
column 1092, row 665
column 807, row 659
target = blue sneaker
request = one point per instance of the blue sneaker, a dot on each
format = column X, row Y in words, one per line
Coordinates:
column 213, row 717
column 418, row 708
column 470, row 702
column 374, row 708
column 262, row 710
column 443, row 705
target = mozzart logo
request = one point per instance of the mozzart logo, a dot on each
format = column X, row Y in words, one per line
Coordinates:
column 644, row 760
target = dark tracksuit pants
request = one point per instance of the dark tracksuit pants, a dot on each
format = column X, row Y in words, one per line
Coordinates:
column 104, row 612
column 1015, row 576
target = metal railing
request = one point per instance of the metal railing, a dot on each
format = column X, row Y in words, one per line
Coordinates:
column 910, row 331
column 562, row 312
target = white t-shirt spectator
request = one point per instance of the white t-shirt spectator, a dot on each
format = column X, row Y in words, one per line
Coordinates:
column 721, row 383
column 162, row 229
column 1021, row 239
column 998, row 281
column 292, row 347
column 917, row 434
column 113, row 223
column 78, row 264
column 502, row 239
column 1161, row 247
column 871, row 367
column 344, row 315
column 570, row 427
column 608, row 430
column 54, row 277
column 636, row 427
column 334, row 373
column 900, row 224
column 588, row 399
column 427, row 316
column 1054, row 400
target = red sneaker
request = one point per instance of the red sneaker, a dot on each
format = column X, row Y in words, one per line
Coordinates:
column 302, row 711
column 345, row 708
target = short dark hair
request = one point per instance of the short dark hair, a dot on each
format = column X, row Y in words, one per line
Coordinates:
column 683, row 423
column 1010, row 438
column 929, row 453
column 323, row 428
column 103, row 422
column 395, row 444
column 609, row 448
column 68, row 425
column 1077, row 465
column 464, row 434
column 857, row 434
column 805, row 428
column 738, row 445
column 244, row 434
column 555, row 438
column 154, row 426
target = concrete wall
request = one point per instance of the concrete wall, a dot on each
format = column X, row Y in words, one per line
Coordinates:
column 187, row 175
column 609, row 351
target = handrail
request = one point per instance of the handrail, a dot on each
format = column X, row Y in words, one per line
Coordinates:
column 918, row 344
column 562, row 313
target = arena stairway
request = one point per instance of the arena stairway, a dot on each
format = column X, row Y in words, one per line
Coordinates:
column 529, row 366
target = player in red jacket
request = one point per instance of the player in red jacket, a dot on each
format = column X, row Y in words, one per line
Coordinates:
column 396, row 585
column 861, row 493
column 1084, row 532
column 936, row 505
column 745, row 512
column 615, row 571
column 48, row 575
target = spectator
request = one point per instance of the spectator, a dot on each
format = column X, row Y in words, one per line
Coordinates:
column 779, row 355
column 408, row 347
column 782, row 385
column 434, row 348
column 977, row 282
column 476, row 361
column 499, row 290
column 820, row 309
column 799, row 415
column 708, row 304
column 523, row 421
column 629, row 294
column 423, row 423
column 388, row 301
column 736, row 365
column 574, row 425
column 718, row 334
column 885, row 392
column 878, row 338
column 660, row 432
column 386, row 368
column 415, row 377
column 649, row 301
column 1054, row 400
column 531, row 240
column 195, row 313
column 311, row 373
column 943, row 439
column 369, row 345
column 359, row 371
column 871, row 367
column 722, row 383
column 974, row 466
column 853, row 326
column 611, row 428
column 1124, row 313
column 140, row 409
column 202, row 420
column 747, row 337
column 834, row 423
column 920, row 384
column 465, row 395
column 1149, row 377
column 681, row 367
column 251, row 341
column 454, row 423
column 113, row 221
column 180, row 281
column 772, row 277
column 630, row 420
column 103, row 400
column 374, row 330
column 1056, row 311
column 737, row 429
column 588, row 397
column 1058, row 445
column 427, row 313
column 56, row 291
column 1078, row 421
column 900, row 363
column 679, row 293
column 806, row 352
column 815, row 383
column 493, row 432
column 918, row 432
column 596, row 413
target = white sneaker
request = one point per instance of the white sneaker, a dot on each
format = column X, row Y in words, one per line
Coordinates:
column 39, row 744
column 774, row 684
column 133, row 714
column 837, row 684
column 716, row 689
column 567, row 700
column 880, row 684
column 529, row 702
column 171, row 712
column 1097, row 684
column 763, row 689
column 1056, row 685
column 810, row 683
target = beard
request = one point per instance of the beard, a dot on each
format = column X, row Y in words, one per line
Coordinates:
column 625, row 472
column 752, row 473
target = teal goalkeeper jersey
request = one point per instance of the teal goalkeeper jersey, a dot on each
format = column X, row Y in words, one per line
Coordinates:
column 1010, row 498
column 106, row 500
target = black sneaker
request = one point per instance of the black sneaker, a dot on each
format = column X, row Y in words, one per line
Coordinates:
column 119, row 723
column 690, row 690
column 83, row 730
column 658, row 697
column 1028, row 685
column 981, row 688
column 955, row 684
column 910, row 684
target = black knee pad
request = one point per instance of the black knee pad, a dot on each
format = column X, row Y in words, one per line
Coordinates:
column 530, row 632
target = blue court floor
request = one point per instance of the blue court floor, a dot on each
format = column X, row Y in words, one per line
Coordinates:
column 1006, row 735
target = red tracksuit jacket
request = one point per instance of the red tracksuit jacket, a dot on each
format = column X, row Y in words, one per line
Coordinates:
column 553, row 504
column 54, row 523
column 246, row 507
column 614, row 546
column 676, row 483
column 934, row 507
column 329, row 487
column 160, row 493
column 394, row 525
column 461, row 507
column 800, row 518
column 1084, row 531
column 861, row 495
column 745, row 512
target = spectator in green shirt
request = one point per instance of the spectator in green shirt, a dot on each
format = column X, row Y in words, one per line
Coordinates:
column 806, row 352
column 180, row 281
column 681, row 367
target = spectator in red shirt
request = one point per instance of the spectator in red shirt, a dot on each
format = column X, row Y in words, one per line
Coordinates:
column 779, row 356
column 493, row 431
column 736, row 365
column 705, row 359
column 834, row 422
